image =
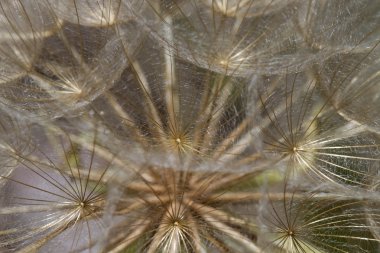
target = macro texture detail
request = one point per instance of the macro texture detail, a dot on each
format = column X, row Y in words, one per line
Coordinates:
column 190, row 126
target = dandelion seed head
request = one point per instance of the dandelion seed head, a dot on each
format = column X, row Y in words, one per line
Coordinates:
column 189, row 126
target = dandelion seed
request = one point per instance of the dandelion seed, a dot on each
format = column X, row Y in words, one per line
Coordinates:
column 179, row 211
column 21, row 36
column 309, row 224
column 52, row 200
column 76, row 65
column 307, row 133
column 200, row 117
column 339, row 26
column 351, row 80
column 218, row 35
